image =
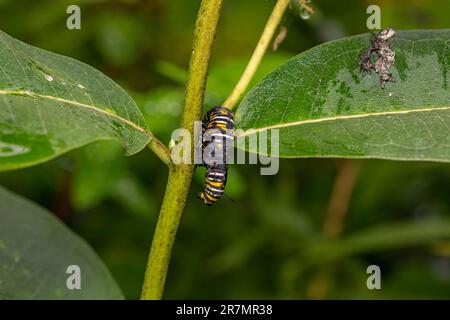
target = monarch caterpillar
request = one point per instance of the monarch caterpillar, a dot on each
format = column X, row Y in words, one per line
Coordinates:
column 219, row 123
column 215, row 181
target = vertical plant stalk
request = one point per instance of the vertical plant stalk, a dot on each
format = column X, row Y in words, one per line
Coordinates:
column 180, row 176
column 340, row 198
column 258, row 54
column 344, row 184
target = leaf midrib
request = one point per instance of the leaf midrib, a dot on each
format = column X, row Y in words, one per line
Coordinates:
column 347, row 117
column 27, row 93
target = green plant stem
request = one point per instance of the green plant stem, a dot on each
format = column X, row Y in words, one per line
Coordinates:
column 160, row 150
column 258, row 54
column 180, row 176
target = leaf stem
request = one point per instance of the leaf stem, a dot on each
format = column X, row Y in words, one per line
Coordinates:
column 258, row 54
column 180, row 176
column 161, row 150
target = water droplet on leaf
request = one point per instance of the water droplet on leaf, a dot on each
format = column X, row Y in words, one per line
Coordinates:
column 304, row 14
column 10, row 149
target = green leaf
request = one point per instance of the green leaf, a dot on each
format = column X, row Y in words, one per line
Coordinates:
column 378, row 238
column 99, row 167
column 325, row 107
column 50, row 104
column 35, row 251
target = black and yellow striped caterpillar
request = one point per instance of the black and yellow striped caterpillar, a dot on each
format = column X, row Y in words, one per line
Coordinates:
column 219, row 124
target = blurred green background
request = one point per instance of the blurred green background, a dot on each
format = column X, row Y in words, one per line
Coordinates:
column 281, row 236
